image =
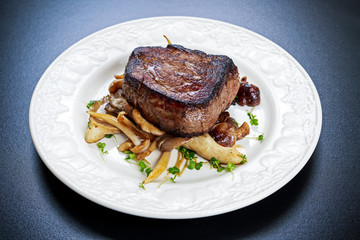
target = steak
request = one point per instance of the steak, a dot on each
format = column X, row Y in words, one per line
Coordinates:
column 181, row 91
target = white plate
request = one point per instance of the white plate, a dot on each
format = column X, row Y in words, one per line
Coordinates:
column 289, row 116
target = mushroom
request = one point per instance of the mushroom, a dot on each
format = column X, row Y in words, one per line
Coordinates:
column 142, row 147
column 115, row 85
column 159, row 167
column 143, row 155
column 179, row 161
column 121, row 118
column 113, row 121
column 242, row 131
column 168, row 142
column 207, row 148
column 125, row 146
column 226, row 132
column 145, row 125
column 98, row 130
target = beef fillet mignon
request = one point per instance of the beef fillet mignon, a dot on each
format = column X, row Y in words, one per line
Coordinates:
column 179, row 90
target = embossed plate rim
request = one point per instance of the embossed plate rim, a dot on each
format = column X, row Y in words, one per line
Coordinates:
column 300, row 77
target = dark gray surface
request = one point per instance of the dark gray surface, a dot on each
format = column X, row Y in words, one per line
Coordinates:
column 321, row 202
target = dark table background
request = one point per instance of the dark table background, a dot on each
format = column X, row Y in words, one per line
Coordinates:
column 321, row 202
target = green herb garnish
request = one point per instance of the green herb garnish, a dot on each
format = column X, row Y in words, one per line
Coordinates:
column 131, row 158
column 229, row 168
column 131, row 155
column 102, row 146
column 252, row 117
column 192, row 164
column 259, row 138
column 214, row 162
column 110, row 136
column 141, row 185
column 198, row 165
column 90, row 104
column 142, row 165
column 148, row 171
column 244, row 159
column 174, row 171
column 237, row 124
column 188, row 154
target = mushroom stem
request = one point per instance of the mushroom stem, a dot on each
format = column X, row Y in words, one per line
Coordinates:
column 242, row 131
column 159, row 168
column 145, row 125
column 207, row 148
column 113, row 121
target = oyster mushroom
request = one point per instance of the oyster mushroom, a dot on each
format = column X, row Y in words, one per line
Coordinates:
column 206, row 147
column 98, row 130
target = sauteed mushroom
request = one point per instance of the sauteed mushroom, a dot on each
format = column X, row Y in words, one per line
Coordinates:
column 206, row 147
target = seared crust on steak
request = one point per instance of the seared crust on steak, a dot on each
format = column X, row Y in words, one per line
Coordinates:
column 179, row 90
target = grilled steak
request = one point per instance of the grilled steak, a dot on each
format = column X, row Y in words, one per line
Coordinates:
column 181, row 91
